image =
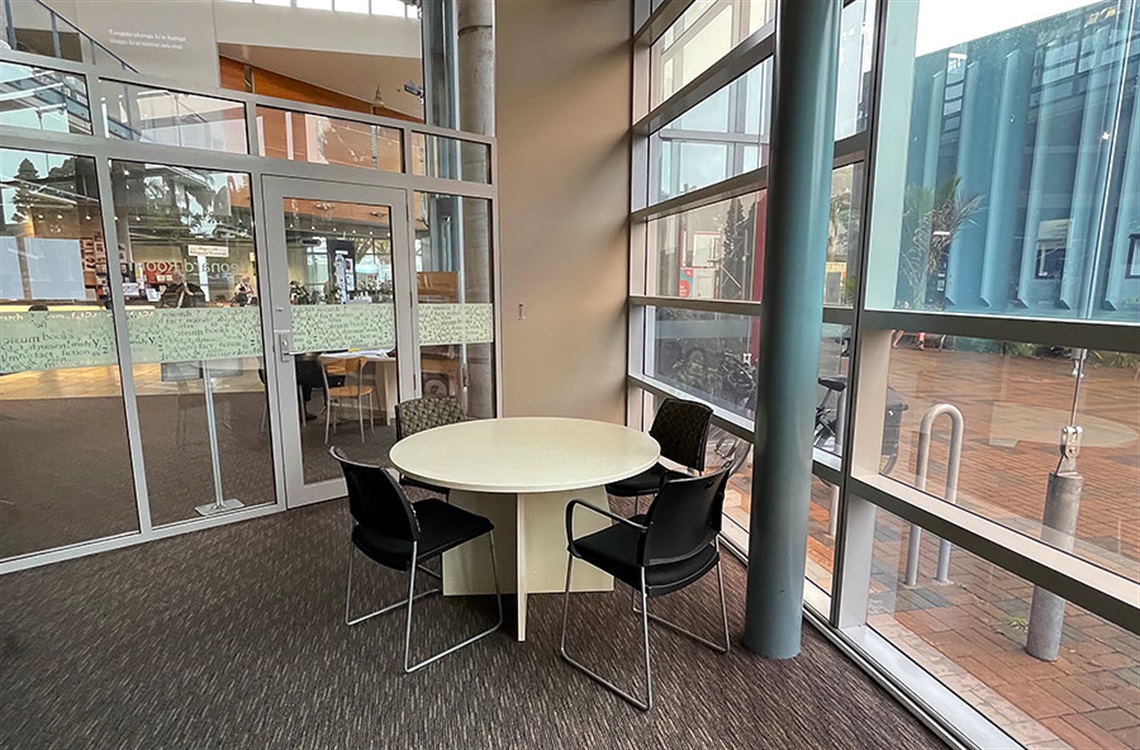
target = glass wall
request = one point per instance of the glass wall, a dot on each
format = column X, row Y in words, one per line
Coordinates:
column 970, row 633
column 724, row 135
column 327, row 140
column 1000, row 183
column 1020, row 188
column 66, row 474
column 192, row 288
column 456, row 313
column 151, row 115
column 96, row 459
column 702, row 35
column 708, row 252
column 43, row 99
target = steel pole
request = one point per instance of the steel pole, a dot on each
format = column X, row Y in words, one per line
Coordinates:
column 799, row 193
column 1047, row 612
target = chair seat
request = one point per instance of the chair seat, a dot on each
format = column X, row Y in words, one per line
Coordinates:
column 647, row 482
column 411, row 482
column 349, row 391
column 614, row 550
column 442, row 527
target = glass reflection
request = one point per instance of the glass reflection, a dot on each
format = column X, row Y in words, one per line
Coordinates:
column 66, row 472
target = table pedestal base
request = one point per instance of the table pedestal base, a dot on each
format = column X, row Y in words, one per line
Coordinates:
column 530, row 540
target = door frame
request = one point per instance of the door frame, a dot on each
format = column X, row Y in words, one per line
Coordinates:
column 285, row 414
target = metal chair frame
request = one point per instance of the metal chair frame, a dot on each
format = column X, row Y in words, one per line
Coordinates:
column 409, row 667
column 646, row 616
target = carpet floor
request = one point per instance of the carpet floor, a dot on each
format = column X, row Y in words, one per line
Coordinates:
column 233, row 638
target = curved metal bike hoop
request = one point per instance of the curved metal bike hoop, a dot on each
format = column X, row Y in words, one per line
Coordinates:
column 922, row 462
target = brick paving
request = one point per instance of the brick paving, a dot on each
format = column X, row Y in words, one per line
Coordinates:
column 970, row 631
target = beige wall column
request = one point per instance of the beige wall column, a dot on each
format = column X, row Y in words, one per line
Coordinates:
column 563, row 98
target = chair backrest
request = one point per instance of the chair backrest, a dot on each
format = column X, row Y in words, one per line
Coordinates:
column 421, row 414
column 376, row 500
column 684, row 517
column 681, row 428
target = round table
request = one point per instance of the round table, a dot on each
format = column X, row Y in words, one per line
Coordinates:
column 521, row 472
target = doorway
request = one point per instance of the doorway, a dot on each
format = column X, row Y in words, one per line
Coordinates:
column 341, row 281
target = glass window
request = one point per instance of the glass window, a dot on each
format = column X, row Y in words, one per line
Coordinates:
column 66, row 474
column 844, row 221
column 456, row 318
column 971, row 631
column 136, row 113
column 831, row 388
column 708, row 355
column 450, row 158
column 856, row 37
column 1014, row 399
column 343, row 311
column 709, row 252
column 1022, row 157
column 301, row 136
column 725, row 135
column 43, row 99
column 192, row 285
column 703, row 34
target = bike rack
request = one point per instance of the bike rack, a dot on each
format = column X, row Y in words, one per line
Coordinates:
column 951, row 496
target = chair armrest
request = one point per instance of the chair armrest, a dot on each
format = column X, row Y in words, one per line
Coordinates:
column 612, row 516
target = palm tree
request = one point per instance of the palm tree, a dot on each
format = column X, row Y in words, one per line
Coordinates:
column 931, row 218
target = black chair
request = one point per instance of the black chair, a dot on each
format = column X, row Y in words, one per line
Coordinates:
column 400, row 535
column 681, row 428
column 671, row 546
column 421, row 414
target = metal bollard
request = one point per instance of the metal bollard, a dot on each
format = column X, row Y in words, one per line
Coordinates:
column 921, row 464
column 1059, row 526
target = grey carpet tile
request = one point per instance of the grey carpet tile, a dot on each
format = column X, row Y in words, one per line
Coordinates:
column 233, row 638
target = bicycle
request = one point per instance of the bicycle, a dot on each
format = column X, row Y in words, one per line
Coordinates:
column 827, row 421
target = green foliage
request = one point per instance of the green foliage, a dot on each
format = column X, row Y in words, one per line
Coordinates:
column 299, row 294
column 1116, row 359
column 931, row 218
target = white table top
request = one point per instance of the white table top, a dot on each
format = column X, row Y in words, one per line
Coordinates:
column 525, row 454
column 371, row 356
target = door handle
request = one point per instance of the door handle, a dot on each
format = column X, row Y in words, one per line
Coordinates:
column 285, row 346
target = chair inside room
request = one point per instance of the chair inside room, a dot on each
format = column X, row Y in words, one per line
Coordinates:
column 352, row 393
column 419, row 414
column 671, row 546
column 398, row 534
column 681, row 428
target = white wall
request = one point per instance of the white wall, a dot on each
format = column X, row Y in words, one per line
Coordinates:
column 178, row 39
column 562, row 115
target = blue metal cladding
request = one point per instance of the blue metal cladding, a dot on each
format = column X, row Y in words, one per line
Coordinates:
column 1023, row 171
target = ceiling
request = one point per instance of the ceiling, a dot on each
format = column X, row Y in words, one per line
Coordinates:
column 351, row 74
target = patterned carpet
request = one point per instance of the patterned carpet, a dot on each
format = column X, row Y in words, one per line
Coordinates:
column 233, row 638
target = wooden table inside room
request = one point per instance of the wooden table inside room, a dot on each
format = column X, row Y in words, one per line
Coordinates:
column 521, row 472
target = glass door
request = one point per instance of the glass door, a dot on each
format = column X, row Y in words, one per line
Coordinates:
column 341, row 296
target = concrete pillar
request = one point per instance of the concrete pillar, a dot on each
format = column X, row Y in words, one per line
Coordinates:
column 476, row 28
column 799, row 192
